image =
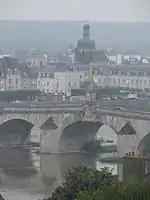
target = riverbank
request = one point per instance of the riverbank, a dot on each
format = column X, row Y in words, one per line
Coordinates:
column 110, row 159
column 102, row 149
column 109, row 149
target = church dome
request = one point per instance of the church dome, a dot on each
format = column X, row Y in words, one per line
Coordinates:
column 86, row 43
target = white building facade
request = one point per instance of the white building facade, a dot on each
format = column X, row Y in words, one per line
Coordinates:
column 59, row 81
column 46, row 82
column 68, row 80
column 137, row 77
column 13, row 80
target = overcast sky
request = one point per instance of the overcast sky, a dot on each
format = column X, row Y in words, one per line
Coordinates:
column 99, row 10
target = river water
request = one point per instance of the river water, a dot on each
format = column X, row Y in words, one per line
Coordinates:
column 24, row 175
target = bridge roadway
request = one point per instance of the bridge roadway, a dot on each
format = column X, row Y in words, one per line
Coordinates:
column 103, row 111
column 132, row 105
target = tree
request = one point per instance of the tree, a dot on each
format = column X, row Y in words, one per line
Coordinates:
column 85, row 84
column 119, row 191
column 82, row 178
column 94, row 146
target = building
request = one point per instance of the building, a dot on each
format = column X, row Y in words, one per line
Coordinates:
column 10, row 78
column 13, row 80
column 45, row 80
column 130, row 57
column 86, row 52
column 68, row 80
column 128, row 76
column 58, row 80
column 36, row 59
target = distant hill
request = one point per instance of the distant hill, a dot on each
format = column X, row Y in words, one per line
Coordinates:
column 53, row 36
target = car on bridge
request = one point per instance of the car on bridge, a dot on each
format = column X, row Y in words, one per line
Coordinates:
column 121, row 109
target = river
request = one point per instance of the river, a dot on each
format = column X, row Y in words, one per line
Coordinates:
column 24, row 175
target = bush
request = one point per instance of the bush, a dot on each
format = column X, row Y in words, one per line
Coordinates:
column 120, row 191
column 83, row 179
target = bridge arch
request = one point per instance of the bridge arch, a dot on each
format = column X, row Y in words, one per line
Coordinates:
column 144, row 145
column 15, row 132
column 75, row 135
column 34, row 119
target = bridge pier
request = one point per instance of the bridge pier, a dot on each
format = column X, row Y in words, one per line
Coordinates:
column 35, row 134
column 49, row 140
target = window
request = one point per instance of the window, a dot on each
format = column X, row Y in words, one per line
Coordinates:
column 17, row 81
column 110, row 80
column 41, row 74
column 145, row 82
column 47, row 90
column 45, row 75
column 9, row 80
column 140, row 82
column 119, row 80
column 145, row 73
column 80, row 76
column 51, row 75
column 114, row 81
column 9, row 87
column 149, row 82
column 39, row 83
column 69, row 84
column 47, row 83
column 16, row 86
column 75, row 84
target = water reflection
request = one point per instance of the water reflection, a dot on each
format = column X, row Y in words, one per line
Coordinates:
column 69, row 161
column 19, row 171
column 16, row 162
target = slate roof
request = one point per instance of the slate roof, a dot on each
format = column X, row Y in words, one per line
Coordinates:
column 124, row 68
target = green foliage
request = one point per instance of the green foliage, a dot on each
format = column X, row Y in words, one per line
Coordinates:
column 119, row 191
column 85, row 84
column 78, row 92
column 19, row 95
column 86, row 194
column 94, row 146
column 83, row 179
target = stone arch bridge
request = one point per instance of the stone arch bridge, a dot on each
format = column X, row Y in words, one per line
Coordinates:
column 71, row 128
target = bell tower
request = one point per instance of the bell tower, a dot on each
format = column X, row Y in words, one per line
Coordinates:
column 86, row 31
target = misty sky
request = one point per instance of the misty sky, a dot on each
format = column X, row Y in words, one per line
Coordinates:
column 99, row 10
